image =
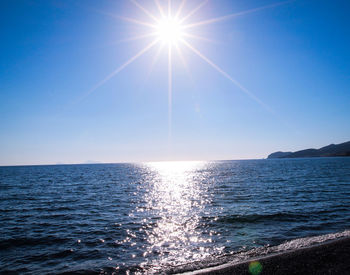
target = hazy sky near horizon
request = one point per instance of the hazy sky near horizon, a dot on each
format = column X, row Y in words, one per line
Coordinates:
column 293, row 57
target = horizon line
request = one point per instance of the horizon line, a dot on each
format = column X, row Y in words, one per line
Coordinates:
column 127, row 162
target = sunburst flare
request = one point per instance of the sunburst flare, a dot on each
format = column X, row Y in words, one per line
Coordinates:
column 171, row 29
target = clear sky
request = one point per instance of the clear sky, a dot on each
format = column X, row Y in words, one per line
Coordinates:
column 291, row 60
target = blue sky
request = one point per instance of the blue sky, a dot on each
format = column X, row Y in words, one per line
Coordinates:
column 293, row 57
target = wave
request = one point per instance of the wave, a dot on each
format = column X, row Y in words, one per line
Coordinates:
column 280, row 217
column 18, row 242
column 254, row 218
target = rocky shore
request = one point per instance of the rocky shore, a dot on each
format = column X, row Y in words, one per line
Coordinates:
column 331, row 257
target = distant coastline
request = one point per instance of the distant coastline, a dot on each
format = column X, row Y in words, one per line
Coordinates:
column 332, row 150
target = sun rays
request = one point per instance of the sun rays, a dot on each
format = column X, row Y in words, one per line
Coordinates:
column 172, row 29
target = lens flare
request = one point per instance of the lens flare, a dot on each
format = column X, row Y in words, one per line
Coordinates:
column 255, row 268
column 173, row 28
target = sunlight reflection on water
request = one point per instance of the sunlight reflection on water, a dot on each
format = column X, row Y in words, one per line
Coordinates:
column 176, row 198
column 166, row 217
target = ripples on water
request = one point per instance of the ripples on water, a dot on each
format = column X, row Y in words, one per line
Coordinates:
column 163, row 216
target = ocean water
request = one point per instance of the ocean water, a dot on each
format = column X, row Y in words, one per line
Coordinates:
column 166, row 217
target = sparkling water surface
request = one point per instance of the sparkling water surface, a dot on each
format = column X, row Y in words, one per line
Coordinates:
column 160, row 217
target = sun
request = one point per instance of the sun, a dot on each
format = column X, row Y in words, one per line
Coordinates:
column 175, row 29
column 169, row 31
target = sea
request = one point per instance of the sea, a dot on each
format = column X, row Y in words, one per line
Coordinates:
column 166, row 217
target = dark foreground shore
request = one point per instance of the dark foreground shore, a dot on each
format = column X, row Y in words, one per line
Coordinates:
column 332, row 257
